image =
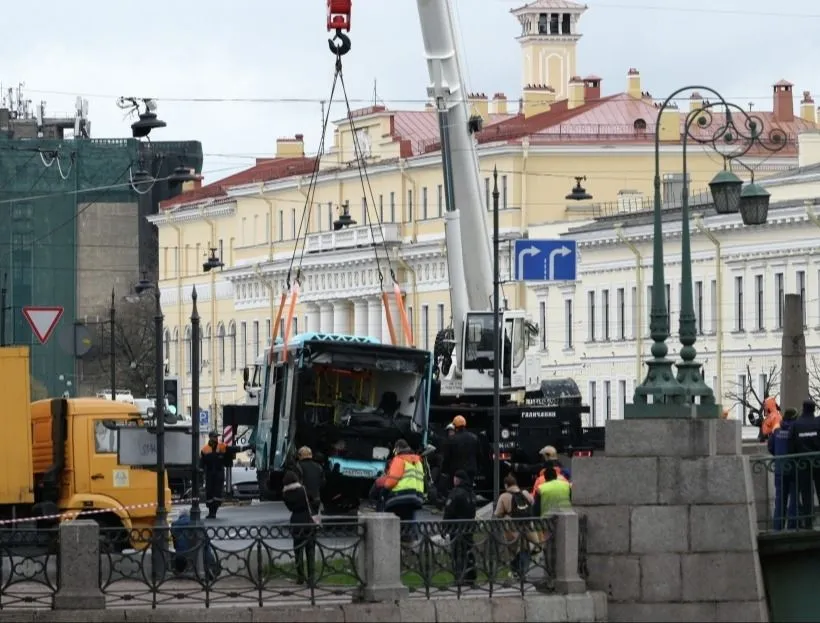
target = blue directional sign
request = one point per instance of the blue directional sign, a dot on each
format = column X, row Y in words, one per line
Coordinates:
column 203, row 418
column 545, row 260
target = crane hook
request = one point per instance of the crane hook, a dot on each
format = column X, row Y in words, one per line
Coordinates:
column 339, row 44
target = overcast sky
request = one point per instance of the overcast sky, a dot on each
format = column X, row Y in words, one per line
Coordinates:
column 276, row 49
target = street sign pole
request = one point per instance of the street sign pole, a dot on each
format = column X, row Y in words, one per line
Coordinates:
column 196, row 513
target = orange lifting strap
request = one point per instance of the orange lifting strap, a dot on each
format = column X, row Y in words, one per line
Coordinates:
column 294, row 294
column 276, row 323
column 390, row 328
column 405, row 323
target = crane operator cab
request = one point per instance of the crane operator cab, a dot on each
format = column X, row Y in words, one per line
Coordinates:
column 518, row 371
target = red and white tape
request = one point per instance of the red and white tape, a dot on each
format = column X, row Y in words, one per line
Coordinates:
column 73, row 514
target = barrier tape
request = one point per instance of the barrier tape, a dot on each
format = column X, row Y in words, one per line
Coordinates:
column 73, row 514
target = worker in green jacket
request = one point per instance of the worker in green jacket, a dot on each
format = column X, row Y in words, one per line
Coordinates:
column 553, row 495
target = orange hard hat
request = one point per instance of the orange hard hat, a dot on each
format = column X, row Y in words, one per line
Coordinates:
column 459, row 421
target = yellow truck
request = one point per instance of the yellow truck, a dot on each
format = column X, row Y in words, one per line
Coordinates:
column 60, row 456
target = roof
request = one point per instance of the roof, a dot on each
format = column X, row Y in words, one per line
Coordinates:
column 551, row 4
column 264, row 170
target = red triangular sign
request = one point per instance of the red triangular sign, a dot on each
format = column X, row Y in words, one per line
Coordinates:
column 43, row 320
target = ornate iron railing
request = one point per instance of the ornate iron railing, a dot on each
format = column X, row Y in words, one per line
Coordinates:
column 787, row 489
column 250, row 566
column 469, row 558
column 29, row 568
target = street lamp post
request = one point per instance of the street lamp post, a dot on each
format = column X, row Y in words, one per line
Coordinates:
column 496, row 345
column 195, row 357
column 675, row 395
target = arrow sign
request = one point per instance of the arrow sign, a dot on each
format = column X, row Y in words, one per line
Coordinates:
column 545, row 260
column 43, row 320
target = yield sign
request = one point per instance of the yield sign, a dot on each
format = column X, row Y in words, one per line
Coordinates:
column 43, row 320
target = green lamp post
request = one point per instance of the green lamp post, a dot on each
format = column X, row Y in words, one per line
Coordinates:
column 732, row 133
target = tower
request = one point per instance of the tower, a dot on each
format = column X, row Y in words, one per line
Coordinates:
column 549, row 37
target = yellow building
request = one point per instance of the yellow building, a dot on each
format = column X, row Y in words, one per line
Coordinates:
column 270, row 221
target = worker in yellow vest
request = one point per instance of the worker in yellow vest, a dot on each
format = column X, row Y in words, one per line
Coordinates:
column 554, row 494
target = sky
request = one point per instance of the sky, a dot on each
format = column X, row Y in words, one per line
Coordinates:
column 276, row 51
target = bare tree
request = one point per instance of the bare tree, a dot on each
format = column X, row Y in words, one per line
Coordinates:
column 133, row 344
column 752, row 399
column 813, row 368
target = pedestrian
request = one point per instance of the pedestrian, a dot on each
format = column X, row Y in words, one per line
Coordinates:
column 460, row 510
column 213, row 459
column 549, row 456
column 302, row 527
column 771, row 417
column 514, row 503
column 461, row 452
column 312, row 476
column 805, row 438
column 554, row 494
column 401, row 489
column 785, row 484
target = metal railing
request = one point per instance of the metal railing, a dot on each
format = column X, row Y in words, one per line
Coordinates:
column 29, row 568
column 787, row 491
column 235, row 565
column 470, row 558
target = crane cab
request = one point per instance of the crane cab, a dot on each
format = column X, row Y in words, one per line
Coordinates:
column 518, row 371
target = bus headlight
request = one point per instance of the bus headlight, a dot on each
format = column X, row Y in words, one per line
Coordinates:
column 505, row 434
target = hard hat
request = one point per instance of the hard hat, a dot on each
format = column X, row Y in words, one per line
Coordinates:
column 548, row 452
column 459, row 421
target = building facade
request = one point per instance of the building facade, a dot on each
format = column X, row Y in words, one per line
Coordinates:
column 270, row 223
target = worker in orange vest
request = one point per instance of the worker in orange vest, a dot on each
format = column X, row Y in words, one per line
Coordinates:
column 772, row 417
column 550, row 457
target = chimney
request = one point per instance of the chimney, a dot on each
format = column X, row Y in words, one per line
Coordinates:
column 669, row 126
column 783, row 101
column 538, row 98
column 500, row 104
column 291, row 147
column 695, row 101
column 633, row 83
column 479, row 105
column 192, row 185
column 576, row 92
column 807, row 110
column 592, row 89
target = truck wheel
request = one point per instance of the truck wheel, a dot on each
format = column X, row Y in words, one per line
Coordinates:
column 114, row 539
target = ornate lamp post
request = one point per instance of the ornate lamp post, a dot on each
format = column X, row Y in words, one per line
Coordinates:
column 732, row 133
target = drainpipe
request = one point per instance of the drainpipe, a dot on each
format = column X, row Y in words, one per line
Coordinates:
column 639, row 324
column 719, row 306
column 180, row 318
column 416, row 311
column 214, row 319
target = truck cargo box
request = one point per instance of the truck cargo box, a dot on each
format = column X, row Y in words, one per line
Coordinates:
column 16, row 477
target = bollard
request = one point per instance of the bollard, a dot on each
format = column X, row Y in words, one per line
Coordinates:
column 379, row 560
column 567, row 580
column 79, row 567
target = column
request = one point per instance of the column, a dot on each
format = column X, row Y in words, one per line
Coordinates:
column 312, row 318
column 325, row 318
column 341, row 317
column 360, row 323
column 375, row 320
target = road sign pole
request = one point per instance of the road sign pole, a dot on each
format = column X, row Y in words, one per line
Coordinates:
column 195, row 414
column 496, row 347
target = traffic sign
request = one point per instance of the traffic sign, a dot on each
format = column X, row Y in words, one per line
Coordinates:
column 545, row 260
column 43, row 320
column 203, row 418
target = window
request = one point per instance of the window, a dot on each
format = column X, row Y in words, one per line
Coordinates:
column 243, row 234
column 220, row 341
column 479, row 347
column 699, row 306
column 622, row 396
column 568, row 324
column 330, row 216
column 256, row 339
column 669, row 307
column 440, row 200
column 281, row 225
column 759, row 305
column 593, row 403
column 409, row 206
column 739, row 303
column 554, row 24
column 282, row 328
column 762, row 381
column 425, row 326
column 779, row 301
column 232, row 343
column 440, row 318
column 542, row 320
column 605, row 313
column 411, row 321
column 487, row 193
column 741, row 391
column 243, row 337
column 503, row 192
column 636, row 314
column 295, row 326
column 608, row 399
column 424, row 203
column 713, row 304
column 648, row 304
column 268, row 326
column 591, row 311
column 392, row 207
column 364, row 210
column 381, row 208
column 801, row 290
column 105, row 439
column 566, row 24
column 187, row 348
column 620, row 313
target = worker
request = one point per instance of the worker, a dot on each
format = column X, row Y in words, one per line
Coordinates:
column 549, row 456
column 554, row 494
column 461, row 450
column 213, row 460
column 459, row 512
column 312, row 476
column 401, row 489
column 805, row 437
column 785, row 483
column 771, row 417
